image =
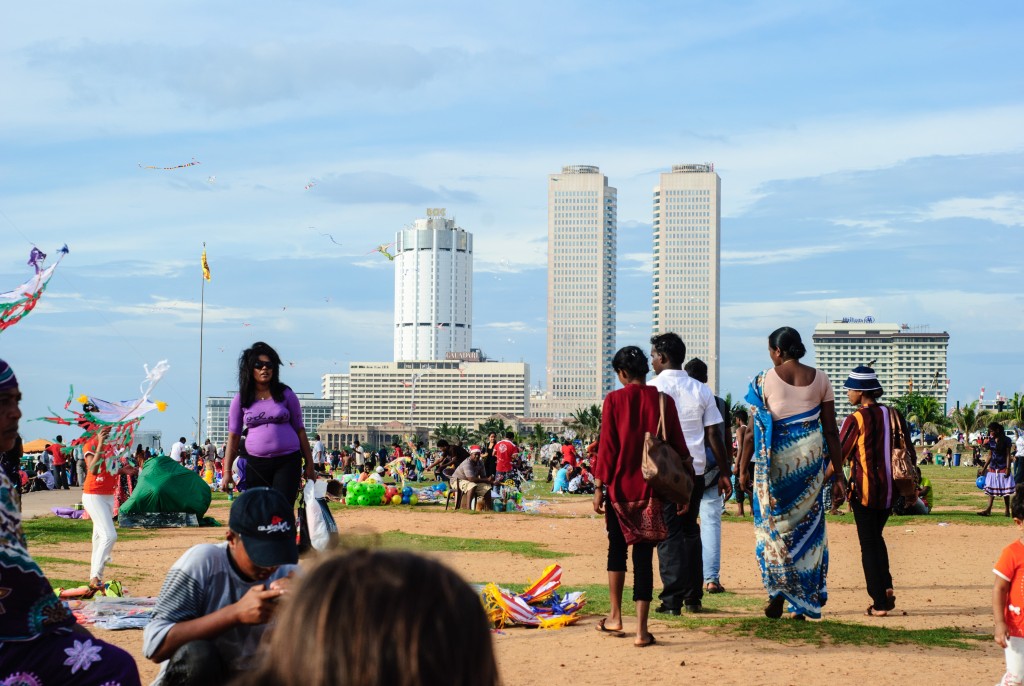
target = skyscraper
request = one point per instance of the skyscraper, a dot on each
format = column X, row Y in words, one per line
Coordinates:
column 433, row 289
column 582, row 224
column 687, row 253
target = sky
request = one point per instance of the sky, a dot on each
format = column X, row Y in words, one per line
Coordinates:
column 871, row 157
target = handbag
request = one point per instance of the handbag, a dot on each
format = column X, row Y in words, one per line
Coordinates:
column 664, row 469
column 642, row 521
column 904, row 474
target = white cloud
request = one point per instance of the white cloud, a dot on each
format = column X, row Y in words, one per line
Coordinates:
column 778, row 255
column 640, row 262
column 1005, row 209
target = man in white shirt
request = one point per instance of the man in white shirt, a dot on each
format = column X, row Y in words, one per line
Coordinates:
column 680, row 555
column 1019, row 457
column 318, row 452
column 176, row 450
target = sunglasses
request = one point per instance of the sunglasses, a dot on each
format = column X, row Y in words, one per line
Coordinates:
column 260, row 364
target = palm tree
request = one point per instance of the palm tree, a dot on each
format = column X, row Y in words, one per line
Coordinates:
column 1015, row 406
column 733, row 406
column 587, row 422
column 495, row 425
column 968, row 419
column 451, row 432
column 927, row 415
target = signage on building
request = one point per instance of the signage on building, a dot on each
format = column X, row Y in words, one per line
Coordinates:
column 472, row 356
column 858, row 320
column 435, row 211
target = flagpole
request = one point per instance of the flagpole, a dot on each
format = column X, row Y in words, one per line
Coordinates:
column 202, row 314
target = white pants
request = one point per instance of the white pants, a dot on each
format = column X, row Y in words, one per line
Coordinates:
column 1014, row 662
column 101, row 511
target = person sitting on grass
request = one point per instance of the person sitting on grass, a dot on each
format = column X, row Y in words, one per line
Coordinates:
column 217, row 599
column 470, row 480
column 43, row 480
column 333, row 631
column 918, row 504
column 562, row 479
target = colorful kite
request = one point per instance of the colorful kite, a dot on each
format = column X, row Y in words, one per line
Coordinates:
column 311, row 184
column 193, row 163
column 14, row 305
column 122, row 417
column 383, row 250
column 538, row 606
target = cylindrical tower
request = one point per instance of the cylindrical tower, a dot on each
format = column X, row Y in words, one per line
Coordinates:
column 433, row 289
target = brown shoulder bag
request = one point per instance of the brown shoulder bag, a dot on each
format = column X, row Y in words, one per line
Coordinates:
column 664, row 469
column 904, row 475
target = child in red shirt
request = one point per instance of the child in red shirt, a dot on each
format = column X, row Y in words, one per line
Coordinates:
column 1008, row 599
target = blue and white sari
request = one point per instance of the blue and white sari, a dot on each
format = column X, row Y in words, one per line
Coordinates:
column 789, row 515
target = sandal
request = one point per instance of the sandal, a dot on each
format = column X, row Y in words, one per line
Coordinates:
column 872, row 612
column 796, row 617
column 773, row 610
column 617, row 633
column 714, row 587
column 984, row 514
column 646, row 643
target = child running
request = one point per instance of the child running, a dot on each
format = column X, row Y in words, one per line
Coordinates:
column 1008, row 599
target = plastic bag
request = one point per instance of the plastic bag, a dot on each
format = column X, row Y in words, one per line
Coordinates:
column 323, row 530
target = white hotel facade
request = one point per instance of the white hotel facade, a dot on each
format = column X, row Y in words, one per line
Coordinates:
column 687, row 259
column 582, row 226
column 904, row 359
column 433, row 289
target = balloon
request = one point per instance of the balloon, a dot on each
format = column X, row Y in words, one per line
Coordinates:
column 413, row 499
column 980, row 483
column 362, row 499
column 390, row 492
column 407, row 490
column 404, row 499
column 396, row 499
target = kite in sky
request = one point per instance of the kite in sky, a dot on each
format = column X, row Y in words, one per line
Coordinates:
column 122, row 417
column 329, row 236
column 383, row 250
column 14, row 305
column 311, row 184
column 193, row 163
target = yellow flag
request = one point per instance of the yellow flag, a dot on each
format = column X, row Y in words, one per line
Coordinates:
column 206, row 266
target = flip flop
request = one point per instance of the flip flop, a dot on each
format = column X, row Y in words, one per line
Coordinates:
column 872, row 612
column 646, row 643
column 617, row 633
column 714, row 587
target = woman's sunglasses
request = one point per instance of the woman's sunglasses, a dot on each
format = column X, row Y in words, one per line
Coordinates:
column 260, row 364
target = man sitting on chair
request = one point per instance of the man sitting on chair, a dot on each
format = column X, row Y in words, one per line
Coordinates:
column 470, row 479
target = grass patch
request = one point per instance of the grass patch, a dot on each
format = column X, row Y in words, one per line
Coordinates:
column 842, row 633
column 400, row 540
column 66, row 583
column 42, row 560
column 781, row 631
column 44, row 530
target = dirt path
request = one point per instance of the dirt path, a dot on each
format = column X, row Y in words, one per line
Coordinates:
column 942, row 577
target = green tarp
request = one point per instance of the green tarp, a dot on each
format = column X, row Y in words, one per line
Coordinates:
column 166, row 486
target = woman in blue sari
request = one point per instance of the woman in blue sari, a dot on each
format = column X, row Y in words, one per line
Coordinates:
column 793, row 423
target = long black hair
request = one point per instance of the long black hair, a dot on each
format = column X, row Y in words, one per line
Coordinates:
column 247, row 385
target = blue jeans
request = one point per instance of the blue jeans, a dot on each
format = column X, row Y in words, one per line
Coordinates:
column 711, row 532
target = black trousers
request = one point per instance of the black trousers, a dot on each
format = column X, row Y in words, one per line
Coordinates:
column 643, row 557
column 197, row 663
column 874, row 556
column 281, row 473
column 680, row 556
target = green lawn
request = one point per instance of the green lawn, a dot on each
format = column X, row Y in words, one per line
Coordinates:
column 400, row 540
column 51, row 529
column 782, row 631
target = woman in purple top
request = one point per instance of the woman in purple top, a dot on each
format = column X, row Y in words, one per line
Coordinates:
column 276, row 442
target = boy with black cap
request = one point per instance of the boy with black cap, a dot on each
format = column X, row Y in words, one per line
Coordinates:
column 218, row 598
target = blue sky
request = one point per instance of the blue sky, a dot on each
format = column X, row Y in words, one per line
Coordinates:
column 871, row 155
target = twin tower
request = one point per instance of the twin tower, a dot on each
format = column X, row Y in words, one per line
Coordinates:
column 434, row 278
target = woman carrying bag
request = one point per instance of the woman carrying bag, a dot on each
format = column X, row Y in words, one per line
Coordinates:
column 633, row 513
column 868, row 438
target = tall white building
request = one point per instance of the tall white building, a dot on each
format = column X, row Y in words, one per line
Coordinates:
column 433, row 289
column 687, row 257
column 334, row 387
column 904, row 359
column 582, row 225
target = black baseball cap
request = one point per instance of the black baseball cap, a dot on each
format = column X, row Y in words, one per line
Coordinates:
column 264, row 519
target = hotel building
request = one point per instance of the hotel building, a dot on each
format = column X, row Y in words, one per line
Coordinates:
column 687, row 256
column 904, row 358
column 582, row 225
column 433, row 289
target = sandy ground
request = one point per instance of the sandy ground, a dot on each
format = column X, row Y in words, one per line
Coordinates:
column 942, row 578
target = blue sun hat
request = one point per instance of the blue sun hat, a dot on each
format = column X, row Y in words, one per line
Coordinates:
column 862, row 378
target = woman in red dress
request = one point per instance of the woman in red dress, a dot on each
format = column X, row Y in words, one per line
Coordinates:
column 633, row 514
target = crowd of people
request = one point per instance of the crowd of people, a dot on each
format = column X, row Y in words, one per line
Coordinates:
column 787, row 458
